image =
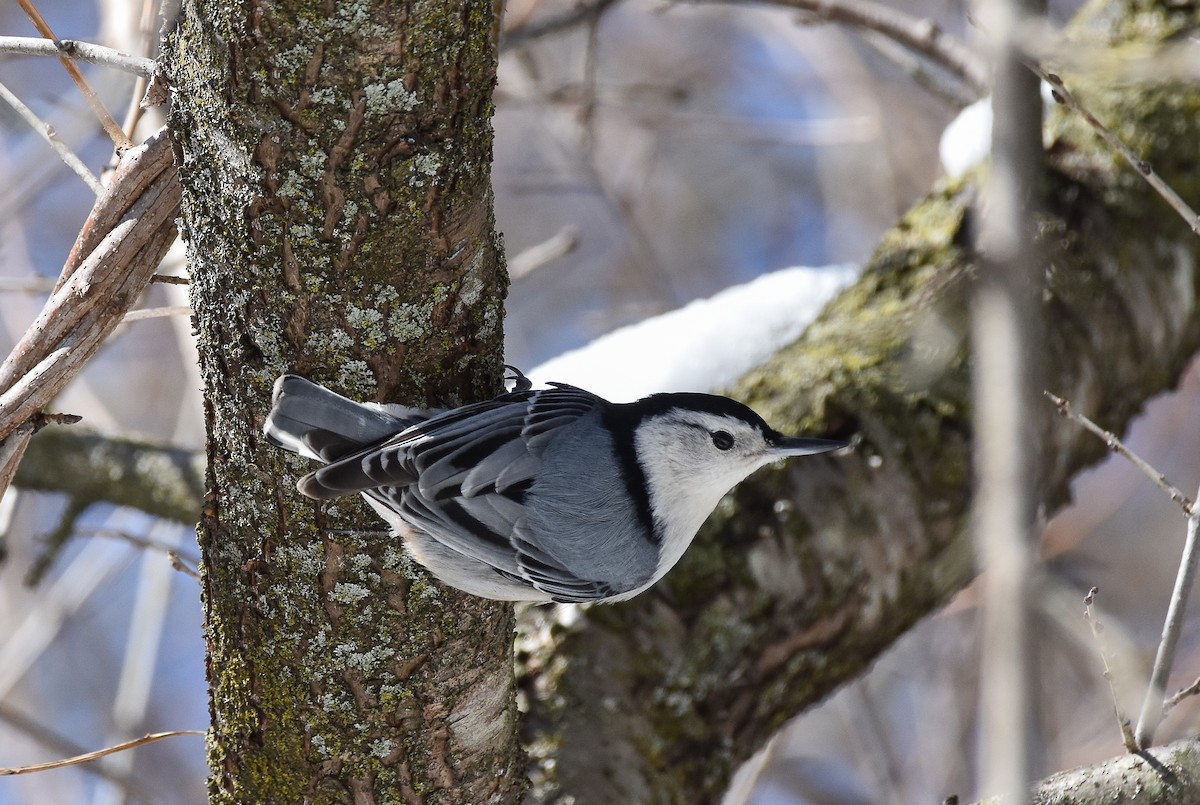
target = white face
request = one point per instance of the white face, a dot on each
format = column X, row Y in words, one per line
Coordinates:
column 691, row 459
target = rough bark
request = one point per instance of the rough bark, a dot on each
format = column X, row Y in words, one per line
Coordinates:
column 1163, row 775
column 807, row 573
column 335, row 159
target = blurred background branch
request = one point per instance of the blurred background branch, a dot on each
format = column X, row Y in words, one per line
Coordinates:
column 91, row 467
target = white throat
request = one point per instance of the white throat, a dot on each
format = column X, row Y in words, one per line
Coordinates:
column 683, row 491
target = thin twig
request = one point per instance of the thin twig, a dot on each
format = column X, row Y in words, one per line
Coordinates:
column 525, row 33
column 47, row 133
column 87, row 757
column 45, row 418
column 1180, row 695
column 942, row 84
column 182, row 566
column 1117, row 446
column 1005, row 324
column 530, row 260
column 147, row 543
column 157, row 312
column 922, row 36
column 37, row 285
column 1160, row 673
column 168, row 279
column 80, row 51
column 106, row 120
column 138, row 101
column 1089, row 615
column 59, row 744
column 1063, row 96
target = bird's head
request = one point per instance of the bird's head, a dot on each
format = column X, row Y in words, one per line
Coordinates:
column 693, row 448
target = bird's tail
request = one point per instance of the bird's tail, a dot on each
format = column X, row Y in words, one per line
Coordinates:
column 317, row 423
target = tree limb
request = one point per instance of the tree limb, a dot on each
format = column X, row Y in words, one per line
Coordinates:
column 93, row 468
column 125, row 237
column 922, row 36
column 809, row 572
column 47, row 133
column 1164, row 775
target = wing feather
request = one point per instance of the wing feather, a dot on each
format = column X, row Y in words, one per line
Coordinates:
column 510, row 464
column 462, row 476
column 454, row 527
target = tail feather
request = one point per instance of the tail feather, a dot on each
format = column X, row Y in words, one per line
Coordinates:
column 317, row 423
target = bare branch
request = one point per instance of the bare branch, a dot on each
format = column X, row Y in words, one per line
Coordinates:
column 1006, row 322
column 37, row 285
column 1117, row 446
column 120, row 228
column 157, row 312
column 140, row 99
column 80, row 51
column 168, row 279
column 48, row 134
column 87, row 757
column 949, row 87
column 922, row 36
column 1161, row 63
column 1063, row 96
column 162, row 481
column 1180, row 695
column 128, row 232
column 1162, row 776
column 110, row 125
column 557, row 245
column 60, row 744
column 182, row 566
column 525, row 33
column 186, row 566
column 1097, row 627
column 1152, row 706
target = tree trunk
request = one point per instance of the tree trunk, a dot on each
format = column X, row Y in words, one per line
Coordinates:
column 338, row 209
column 811, row 571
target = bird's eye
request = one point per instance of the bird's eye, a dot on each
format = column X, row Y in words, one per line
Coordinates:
column 722, row 440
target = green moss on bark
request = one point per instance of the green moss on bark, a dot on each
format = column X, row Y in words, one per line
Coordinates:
column 338, row 210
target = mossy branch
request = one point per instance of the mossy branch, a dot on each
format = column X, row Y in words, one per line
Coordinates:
column 93, row 467
column 809, row 572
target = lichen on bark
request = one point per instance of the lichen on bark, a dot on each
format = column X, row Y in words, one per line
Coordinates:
column 335, row 159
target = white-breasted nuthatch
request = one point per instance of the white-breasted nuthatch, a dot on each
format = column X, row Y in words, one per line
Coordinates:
column 537, row 495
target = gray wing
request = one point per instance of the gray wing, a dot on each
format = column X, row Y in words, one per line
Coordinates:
column 463, row 478
column 587, row 534
column 482, row 447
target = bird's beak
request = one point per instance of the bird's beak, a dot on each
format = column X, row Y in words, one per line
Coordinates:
column 785, row 446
